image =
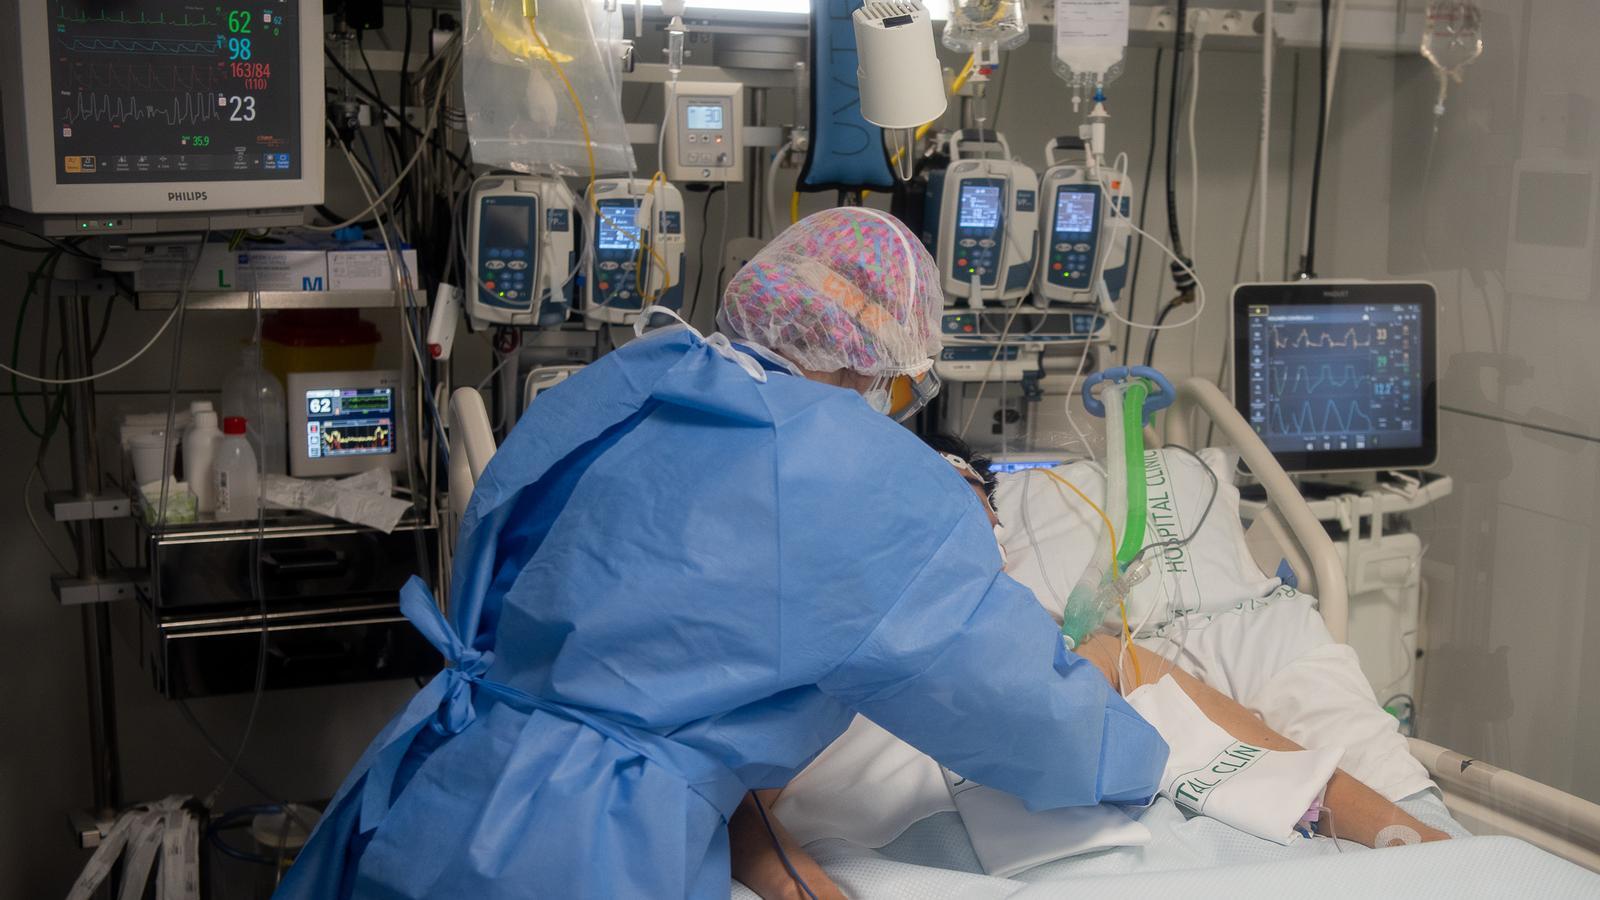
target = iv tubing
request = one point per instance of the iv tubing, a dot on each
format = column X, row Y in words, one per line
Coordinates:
column 1110, row 529
column 588, row 141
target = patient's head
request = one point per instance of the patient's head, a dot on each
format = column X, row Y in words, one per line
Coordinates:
column 973, row 467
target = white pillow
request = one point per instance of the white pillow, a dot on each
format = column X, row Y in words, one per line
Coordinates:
column 1049, row 536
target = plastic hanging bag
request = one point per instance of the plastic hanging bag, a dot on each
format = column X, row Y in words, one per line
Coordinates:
column 519, row 114
column 979, row 24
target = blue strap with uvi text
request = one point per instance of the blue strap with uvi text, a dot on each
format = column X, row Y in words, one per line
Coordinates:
column 847, row 151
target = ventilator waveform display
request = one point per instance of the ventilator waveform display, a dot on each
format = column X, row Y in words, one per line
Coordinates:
column 347, row 438
column 349, row 421
column 159, row 90
column 1335, row 377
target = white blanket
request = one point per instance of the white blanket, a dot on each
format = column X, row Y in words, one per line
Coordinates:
column 1273, row 655
column 1256, row 790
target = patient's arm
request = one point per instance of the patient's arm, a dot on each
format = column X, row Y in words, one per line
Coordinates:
column 757, row 863
column 1358, row 812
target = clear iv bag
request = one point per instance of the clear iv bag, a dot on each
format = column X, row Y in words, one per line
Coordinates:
column 519, row 114
column 1091, row 39
column 1452, row 37
column 977, row 24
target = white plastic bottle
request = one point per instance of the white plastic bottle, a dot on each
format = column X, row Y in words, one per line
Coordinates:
column 234, row 474
column 253, row 393
column 199, row 452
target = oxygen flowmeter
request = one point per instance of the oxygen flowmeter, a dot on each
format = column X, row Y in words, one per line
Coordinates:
column 637, row 253
column 522, row 248
column 988, row 219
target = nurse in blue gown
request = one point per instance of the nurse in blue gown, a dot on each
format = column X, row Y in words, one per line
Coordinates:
column 685, row 570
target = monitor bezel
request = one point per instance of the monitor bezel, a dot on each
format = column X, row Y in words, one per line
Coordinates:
column 1345, row 293
column 30, row 140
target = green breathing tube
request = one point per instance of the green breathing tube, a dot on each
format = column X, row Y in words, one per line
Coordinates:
column 1132, row 536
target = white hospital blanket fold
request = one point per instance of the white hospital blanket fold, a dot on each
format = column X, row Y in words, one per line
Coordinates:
column 1199, row 857
column 1258, row 791
column 1277, row 659
column 866, row 787
column 1008, row 838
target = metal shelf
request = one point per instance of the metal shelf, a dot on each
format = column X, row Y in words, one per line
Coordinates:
column 218, row 300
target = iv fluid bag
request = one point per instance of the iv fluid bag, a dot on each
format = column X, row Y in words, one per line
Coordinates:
column 974, row 24
column 1452, row 36
column 519, row 114
column 1090, row 41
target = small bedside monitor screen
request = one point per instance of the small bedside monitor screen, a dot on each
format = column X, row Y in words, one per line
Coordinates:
column 349, row 422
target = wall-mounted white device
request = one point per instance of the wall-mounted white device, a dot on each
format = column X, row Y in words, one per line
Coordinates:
column 705, row 131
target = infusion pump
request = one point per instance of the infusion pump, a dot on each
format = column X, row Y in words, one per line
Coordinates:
column 1084, row 239
column 636, row 256
column 523, row 252
column 988, row 220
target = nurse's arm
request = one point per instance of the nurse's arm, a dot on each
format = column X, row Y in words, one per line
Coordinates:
column 759, row 866
column 968, row 668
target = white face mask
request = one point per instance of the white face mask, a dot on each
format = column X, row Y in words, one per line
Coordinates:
column 1005, row 560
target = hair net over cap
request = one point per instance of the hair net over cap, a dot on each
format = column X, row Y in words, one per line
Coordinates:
column 847, row 288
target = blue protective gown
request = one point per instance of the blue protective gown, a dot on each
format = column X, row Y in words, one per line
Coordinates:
column 678, row 583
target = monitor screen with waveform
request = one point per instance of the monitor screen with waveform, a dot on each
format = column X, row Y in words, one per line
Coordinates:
column 168, row 90
column 1335, row 377
column 349, row 422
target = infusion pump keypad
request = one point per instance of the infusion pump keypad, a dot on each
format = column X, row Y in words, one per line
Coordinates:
column 705, row 131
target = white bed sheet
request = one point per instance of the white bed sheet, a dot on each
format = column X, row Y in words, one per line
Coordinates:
column 1198, row 857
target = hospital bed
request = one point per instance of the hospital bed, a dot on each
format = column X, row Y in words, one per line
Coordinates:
column 1484, row 799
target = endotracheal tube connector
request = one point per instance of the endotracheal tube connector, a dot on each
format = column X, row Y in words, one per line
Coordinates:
column 1085, row 611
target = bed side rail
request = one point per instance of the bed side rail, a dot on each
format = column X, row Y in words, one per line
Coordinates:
column 1291, row 509
column 1491, row 800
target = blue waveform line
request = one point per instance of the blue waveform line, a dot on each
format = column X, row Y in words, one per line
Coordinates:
column 1330, row 413
column 137, row 45
column 1284, row 383
column 182, row 109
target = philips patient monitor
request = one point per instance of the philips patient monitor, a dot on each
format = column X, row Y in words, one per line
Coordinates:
column 148, row 115
column 1339, row 375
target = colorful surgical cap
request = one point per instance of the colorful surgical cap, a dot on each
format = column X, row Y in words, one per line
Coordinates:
column 847, row 288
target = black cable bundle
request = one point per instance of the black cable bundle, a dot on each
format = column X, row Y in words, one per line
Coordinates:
column 1308, row 260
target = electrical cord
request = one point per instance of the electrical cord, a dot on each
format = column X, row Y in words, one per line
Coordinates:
column 1308, row 260
column 1144, row 202
column 1179, row 31
column 700, row 271
column 176, row 309
column 1155, row 331
column 388, row 110
column 1205, row 512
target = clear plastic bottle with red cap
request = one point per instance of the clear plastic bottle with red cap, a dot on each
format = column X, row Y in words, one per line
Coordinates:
column 235, row 473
